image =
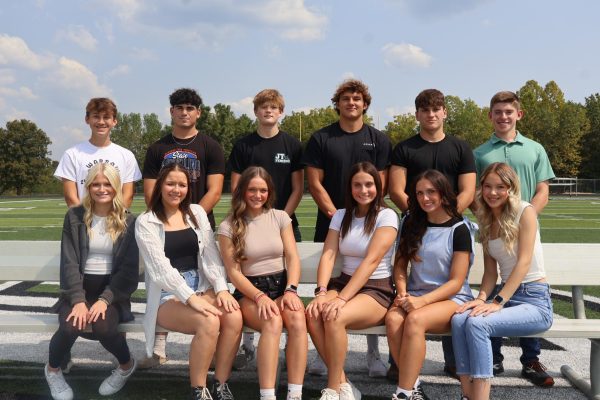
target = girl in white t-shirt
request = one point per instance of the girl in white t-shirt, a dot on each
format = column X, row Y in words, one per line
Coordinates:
column 364, row 234
column 259, row 251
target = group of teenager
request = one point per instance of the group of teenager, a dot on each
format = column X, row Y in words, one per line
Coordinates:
column 409, row 272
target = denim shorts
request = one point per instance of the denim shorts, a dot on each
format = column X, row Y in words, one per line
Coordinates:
column 191, row 279
column 271, row 285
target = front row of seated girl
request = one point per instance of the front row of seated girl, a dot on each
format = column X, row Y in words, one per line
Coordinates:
column 187, row 292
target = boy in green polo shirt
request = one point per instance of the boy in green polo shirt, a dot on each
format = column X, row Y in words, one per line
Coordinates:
column 529, row 159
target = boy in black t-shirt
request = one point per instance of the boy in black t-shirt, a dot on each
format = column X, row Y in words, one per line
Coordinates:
column 279, row 153
column 276, row 151
column 328, row 157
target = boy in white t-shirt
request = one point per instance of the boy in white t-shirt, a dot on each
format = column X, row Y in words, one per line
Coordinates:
column 101, row 116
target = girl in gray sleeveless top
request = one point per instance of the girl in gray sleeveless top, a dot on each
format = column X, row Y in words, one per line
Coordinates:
column 437, row 243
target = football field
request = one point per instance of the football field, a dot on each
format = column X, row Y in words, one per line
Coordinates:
column 565, row 220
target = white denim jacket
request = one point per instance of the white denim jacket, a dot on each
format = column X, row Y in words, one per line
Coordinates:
column 160, row 274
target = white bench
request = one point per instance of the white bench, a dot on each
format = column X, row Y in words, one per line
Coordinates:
column 566, row 264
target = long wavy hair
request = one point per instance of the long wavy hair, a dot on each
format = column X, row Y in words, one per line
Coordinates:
column 415, row 224
column 237, row 213
column 508, row 227
column 156, row 205
column 350, row 204
column 116, row 219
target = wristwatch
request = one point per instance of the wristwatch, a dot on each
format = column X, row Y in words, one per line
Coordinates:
column 499, row 300
column 291, row 288
column 320, row 289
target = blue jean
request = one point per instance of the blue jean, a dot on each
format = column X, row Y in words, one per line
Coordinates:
column 528, row 311
column 191, row 279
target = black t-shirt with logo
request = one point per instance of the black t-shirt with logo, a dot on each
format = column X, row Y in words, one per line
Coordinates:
column 202, row 156
column 280, row 155
column 335, row 152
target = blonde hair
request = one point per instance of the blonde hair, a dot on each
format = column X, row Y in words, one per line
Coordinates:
column 508, row 227
column 116, row 218
column 237, row 213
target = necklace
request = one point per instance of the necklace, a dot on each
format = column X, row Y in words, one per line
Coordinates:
column 184, row 144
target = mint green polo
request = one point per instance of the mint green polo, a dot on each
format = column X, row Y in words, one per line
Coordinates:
column 527, row 157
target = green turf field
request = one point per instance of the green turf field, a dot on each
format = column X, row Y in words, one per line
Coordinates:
column 567, row 220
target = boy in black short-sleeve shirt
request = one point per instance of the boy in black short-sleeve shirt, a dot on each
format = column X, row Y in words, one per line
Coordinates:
column 276, row 151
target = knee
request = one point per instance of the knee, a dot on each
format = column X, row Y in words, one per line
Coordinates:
column 272, row 326
column 103, row 331
column 207, row 326
column 415, row 324
column 232, row 321
column 394, row 319
column 296, row 323
column 476, row 326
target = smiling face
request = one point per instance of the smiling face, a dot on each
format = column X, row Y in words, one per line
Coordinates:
column 101, row 191
column 256, row 195
column 494, row 191
column 268, row 114
column 364, row 190
column 100, row 123
column 428, row 197
column 351, row 105
column 504, row 117
column 174, row 189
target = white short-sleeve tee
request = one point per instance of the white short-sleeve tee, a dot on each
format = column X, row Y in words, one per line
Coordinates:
column 353, row 247
column 77, row 161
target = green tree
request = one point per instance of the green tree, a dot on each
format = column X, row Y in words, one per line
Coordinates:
column 136, row 132
column 302, row 125
column 24, row 160
column 557, row 124
column 467, row 120
column 590, row 163
column 401, row 128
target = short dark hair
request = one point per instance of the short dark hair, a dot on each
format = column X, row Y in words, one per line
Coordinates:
column 185, row 96
column 101, row 104
column 505, row 97
column 429, row 98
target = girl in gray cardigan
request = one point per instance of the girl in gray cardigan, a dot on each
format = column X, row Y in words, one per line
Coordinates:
column 98, row 274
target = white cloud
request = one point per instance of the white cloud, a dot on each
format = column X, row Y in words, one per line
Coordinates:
column 14, row 51
column 70, row 74
column 23, row 93
column 79, row 35
column 143, row 54
column 210, row 23
column 405, row 55
column 243, row 106
column 348, row 75
column 13, row 114
column 296, row 21
column 122, row 69
column 107, row 28
column 7, row 76
column 273, row 51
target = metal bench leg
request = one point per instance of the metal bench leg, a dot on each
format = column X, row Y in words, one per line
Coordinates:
column 591, row 391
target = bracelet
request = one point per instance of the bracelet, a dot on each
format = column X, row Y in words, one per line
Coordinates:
column 258, row 296
column 478, row 298
column 341, row 298
column 290, row 290
column 102, row 299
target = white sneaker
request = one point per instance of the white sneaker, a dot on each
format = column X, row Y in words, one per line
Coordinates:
column 59, row 388
column 294, row 396
column 348, row 391
column 317, row 367
column 329, row 394
column 116, row 381
column 377, row 368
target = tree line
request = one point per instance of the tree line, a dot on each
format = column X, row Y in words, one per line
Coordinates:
column 569, row 131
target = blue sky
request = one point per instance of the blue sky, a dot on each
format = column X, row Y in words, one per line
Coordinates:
column 56, row 54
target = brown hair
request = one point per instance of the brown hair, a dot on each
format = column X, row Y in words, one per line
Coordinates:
column 415, row 224
column 101, row 104
column 354, row 86
column 505, row 97
column 156, row 205
column 376, row 205
column 430, row 98
column 271, row 96
column 237, row 213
